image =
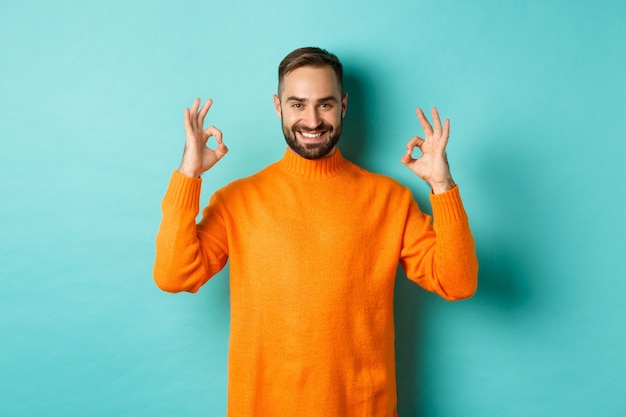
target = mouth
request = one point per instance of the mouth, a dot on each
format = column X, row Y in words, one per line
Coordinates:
column 311, row 137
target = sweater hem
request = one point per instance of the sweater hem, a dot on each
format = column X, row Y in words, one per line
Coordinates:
column 184, row 192
column 448, row 207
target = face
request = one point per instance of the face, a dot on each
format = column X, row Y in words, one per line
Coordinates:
column 311, row 108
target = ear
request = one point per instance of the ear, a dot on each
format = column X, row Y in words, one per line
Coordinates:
column 277, row 106
column 344, row 105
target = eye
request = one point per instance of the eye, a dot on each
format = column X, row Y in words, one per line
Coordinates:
column 326, row 106
column 296, row 105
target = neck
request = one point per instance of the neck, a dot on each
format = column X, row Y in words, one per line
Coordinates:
column 328, row 166
column 330, row 153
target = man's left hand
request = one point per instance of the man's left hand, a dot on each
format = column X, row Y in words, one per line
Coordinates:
column 432, row 165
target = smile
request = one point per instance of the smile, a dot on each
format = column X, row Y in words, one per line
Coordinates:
column 311, row 135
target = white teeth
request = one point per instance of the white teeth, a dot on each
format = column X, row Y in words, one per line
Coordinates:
column 311, row 135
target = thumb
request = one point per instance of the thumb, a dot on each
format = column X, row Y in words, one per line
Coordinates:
column 221, row 150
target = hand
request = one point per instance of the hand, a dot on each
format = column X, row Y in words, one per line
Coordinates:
column 432, row 165
column 198, row 157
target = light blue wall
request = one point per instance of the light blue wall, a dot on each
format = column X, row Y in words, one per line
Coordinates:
column 91, row 105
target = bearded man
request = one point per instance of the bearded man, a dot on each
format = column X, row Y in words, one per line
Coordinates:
column 313, row 242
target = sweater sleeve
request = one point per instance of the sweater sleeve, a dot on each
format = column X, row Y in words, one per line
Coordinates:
column 186, row 257
column 441, row 257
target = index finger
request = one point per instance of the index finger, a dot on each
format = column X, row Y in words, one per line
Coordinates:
column 213, row 131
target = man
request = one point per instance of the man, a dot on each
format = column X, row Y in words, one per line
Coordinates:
column 314, row 242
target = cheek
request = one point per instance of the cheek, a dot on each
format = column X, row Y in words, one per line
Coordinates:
column 288, row 117
column 335, row 118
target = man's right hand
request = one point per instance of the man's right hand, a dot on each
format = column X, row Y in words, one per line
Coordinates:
column 198, row 157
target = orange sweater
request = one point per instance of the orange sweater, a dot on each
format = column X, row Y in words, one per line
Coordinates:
column 313, row 248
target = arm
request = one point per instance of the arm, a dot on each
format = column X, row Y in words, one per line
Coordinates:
column 444, row 259
column 441, row 257
column 185, row 258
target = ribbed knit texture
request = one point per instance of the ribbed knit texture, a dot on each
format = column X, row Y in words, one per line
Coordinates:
column 313, row 249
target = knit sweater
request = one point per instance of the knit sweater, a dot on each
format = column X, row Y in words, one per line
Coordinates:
column 313, row 246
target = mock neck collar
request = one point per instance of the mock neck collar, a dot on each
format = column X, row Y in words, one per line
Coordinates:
column 330, row 166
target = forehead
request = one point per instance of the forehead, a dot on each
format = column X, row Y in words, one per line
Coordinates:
column 311, row 82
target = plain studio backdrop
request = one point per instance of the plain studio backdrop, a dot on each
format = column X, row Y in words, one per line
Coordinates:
column 92, row 96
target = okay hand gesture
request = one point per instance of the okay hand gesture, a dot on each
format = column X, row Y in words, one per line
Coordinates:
column 432, row 165
column 198, row 157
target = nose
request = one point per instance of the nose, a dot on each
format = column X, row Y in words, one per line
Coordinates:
column 312, row 118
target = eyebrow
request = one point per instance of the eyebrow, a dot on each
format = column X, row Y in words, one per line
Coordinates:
column 321, row 100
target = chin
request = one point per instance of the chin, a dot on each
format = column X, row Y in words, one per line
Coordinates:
column 313, row 151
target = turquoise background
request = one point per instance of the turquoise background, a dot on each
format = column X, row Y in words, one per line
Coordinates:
column 91, row 121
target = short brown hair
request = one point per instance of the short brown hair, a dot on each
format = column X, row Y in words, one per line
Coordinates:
column 310, row 57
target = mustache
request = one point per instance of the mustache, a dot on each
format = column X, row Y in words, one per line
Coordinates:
column 321, row 127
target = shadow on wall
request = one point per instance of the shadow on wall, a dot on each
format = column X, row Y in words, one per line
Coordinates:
column 354, row 138
column 503, row 279
column 507, row 255
column 501, row 290
column 507, row 235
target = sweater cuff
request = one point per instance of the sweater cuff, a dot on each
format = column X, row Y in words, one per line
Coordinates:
column 448, row 207
column 183, row 192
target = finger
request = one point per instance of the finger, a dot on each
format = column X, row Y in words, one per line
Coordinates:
column 415, row 142
column 446, row 131
column 187, row 121
column 436, row 122
column 221, row 150
column 213, row 131
column 407, row 159
column 204, row 111
column 428, row 130
column 194, row 107
column 194, row 113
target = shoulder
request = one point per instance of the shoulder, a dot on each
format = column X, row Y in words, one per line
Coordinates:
column 244, row 185
column 377, row 180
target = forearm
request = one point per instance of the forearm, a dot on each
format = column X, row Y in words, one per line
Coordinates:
column 455, row 262
column 181, row 262
column 441, row 257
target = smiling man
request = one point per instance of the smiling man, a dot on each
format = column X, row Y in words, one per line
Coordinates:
column 314, row 242
column 311, row 105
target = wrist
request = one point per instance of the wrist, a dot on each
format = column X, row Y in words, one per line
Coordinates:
column 189, row 173
column 442, row 187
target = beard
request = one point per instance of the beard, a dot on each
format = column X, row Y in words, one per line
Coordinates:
column 312, row 150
